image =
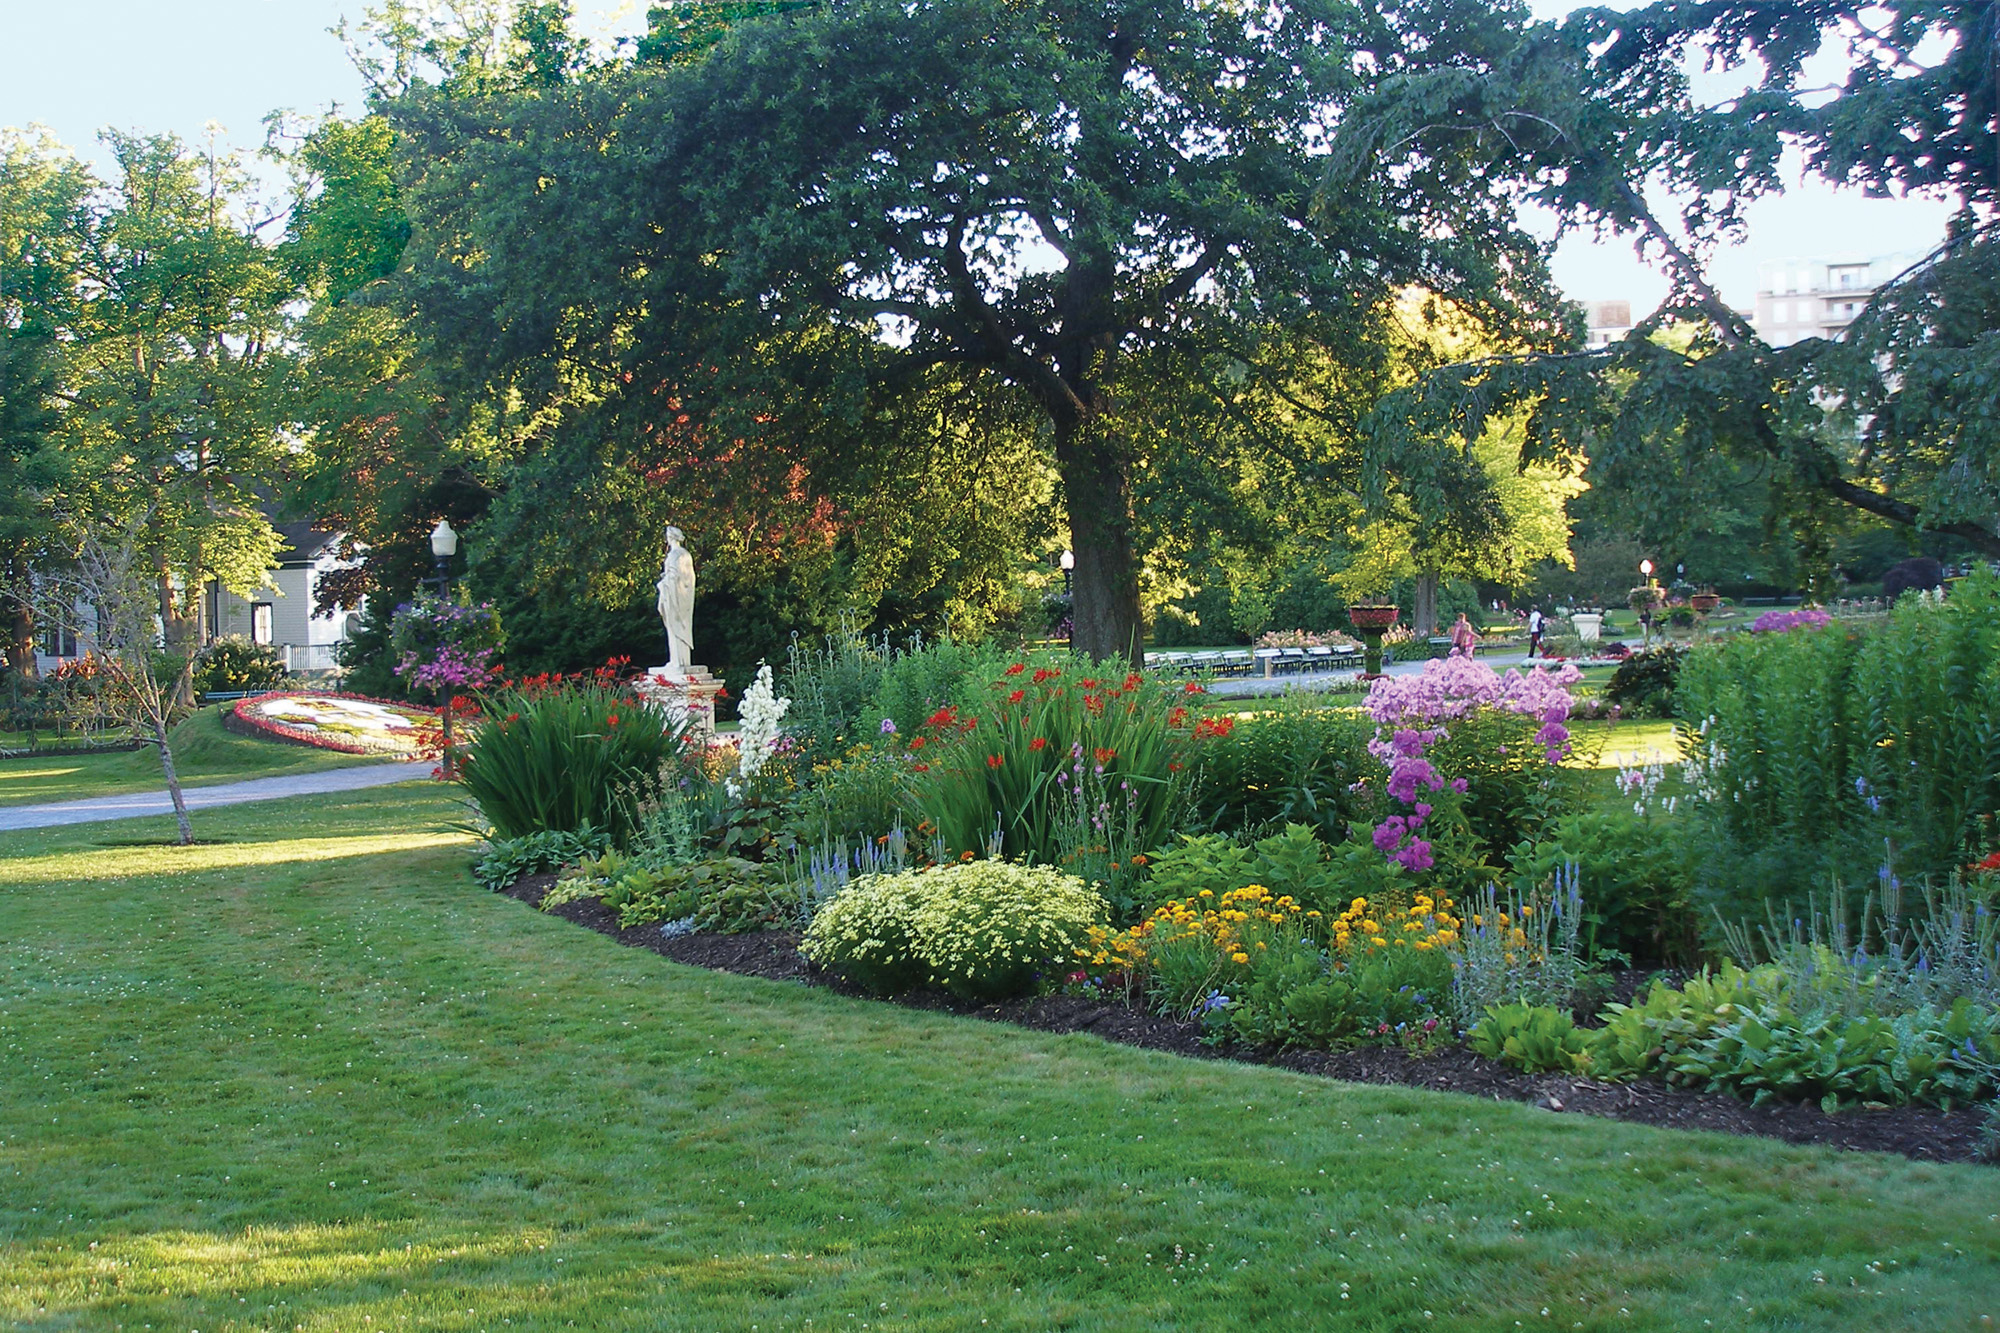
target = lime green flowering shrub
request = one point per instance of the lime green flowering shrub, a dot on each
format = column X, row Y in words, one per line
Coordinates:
column 981, row 929
column 863, row 933
column 985, row 929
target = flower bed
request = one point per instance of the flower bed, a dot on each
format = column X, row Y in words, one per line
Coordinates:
column 347, row 723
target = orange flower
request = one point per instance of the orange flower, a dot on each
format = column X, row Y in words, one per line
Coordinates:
column 1039, row 743
column 1176, row 717
column 994, row 760
column 1017, row 668
column 1134, row 681
column 1193, row 687
column 916, row 742
column 1017, row 696
column 1105, row 756
column 611, row 721
column 1046, row 673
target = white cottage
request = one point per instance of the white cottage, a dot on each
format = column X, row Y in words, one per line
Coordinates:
column 280, row 615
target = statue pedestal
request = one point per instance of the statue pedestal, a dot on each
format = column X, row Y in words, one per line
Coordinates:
column 683, row 696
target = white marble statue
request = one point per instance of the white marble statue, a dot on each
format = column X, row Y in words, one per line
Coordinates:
column 676, row 603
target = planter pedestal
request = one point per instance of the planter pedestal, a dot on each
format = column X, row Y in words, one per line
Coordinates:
column 1371, row 623
column 686, row 698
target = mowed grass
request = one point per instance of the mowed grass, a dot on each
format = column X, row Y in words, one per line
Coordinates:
column 309, row 1077
column 204, row 754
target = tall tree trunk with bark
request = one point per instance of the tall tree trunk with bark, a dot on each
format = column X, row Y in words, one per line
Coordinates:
column 160, row 732
column 19, row 615
column 1424, row 611
column 1097, row 486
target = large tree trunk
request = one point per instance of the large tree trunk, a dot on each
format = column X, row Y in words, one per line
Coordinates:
column 1097, row 485
column 1424, row 614
column 19, row 615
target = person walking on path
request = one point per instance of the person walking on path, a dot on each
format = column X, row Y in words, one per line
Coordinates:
column 1535, row 631
column 1463, row 636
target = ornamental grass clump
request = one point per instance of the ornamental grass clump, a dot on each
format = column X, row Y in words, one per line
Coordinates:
column 983, row 930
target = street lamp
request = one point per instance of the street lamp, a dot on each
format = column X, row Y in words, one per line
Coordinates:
column 1646, row 605
column 1068, row 562
column 444, row 545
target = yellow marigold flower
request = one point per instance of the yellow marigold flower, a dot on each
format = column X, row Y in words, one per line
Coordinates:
column 1208, row 893
column 1239, row 957
column 1370, row 926
column 1377, row 939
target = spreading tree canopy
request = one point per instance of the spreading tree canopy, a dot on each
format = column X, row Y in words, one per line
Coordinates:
column 1062, row 215
column 1898, row 416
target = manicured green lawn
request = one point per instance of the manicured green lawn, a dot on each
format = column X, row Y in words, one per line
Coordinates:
column 309, row 1077
column 203, row 754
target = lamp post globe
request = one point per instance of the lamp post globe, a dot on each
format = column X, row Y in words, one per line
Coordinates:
column 444, row 545
column 1068, row 562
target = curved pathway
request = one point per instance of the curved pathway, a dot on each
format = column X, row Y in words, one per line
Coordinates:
column 136, row 805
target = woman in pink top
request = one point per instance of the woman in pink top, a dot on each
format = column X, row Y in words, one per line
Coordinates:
column 1463, row 636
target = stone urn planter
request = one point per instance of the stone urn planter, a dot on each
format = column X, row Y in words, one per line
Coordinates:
column 1371, row 622
column 1589, row 625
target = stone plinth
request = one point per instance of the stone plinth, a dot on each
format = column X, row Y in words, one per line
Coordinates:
column 682, row 696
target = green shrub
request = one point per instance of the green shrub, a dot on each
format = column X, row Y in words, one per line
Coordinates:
column 1297, row 994
column 1295, row 764
column 830, row 686
column 565, row 757
column 1631, row 873
column 861, row 792
column 1813, row 746
column 509, row 859
column 1535, row 1039
column 723, row 894
column 981, row 929
column 1753, row 1033
column 235, row 665
column 1290, row 862
column 1643, row 684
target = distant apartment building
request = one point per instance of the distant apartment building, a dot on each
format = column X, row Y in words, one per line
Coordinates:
column 1816, row 298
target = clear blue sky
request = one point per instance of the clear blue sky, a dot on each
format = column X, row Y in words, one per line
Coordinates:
column 78, row 66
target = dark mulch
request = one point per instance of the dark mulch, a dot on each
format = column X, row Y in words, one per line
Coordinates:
column 1911, row 1131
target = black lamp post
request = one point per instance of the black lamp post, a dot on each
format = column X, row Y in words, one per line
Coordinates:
column 444, row 545
column 1068, row 562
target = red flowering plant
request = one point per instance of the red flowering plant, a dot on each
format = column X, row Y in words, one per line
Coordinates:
column 1072, row 767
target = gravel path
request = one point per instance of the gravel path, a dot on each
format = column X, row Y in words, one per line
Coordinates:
column 136, row 805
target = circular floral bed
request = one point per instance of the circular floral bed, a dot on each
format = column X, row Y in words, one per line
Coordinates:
column 349, row 723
